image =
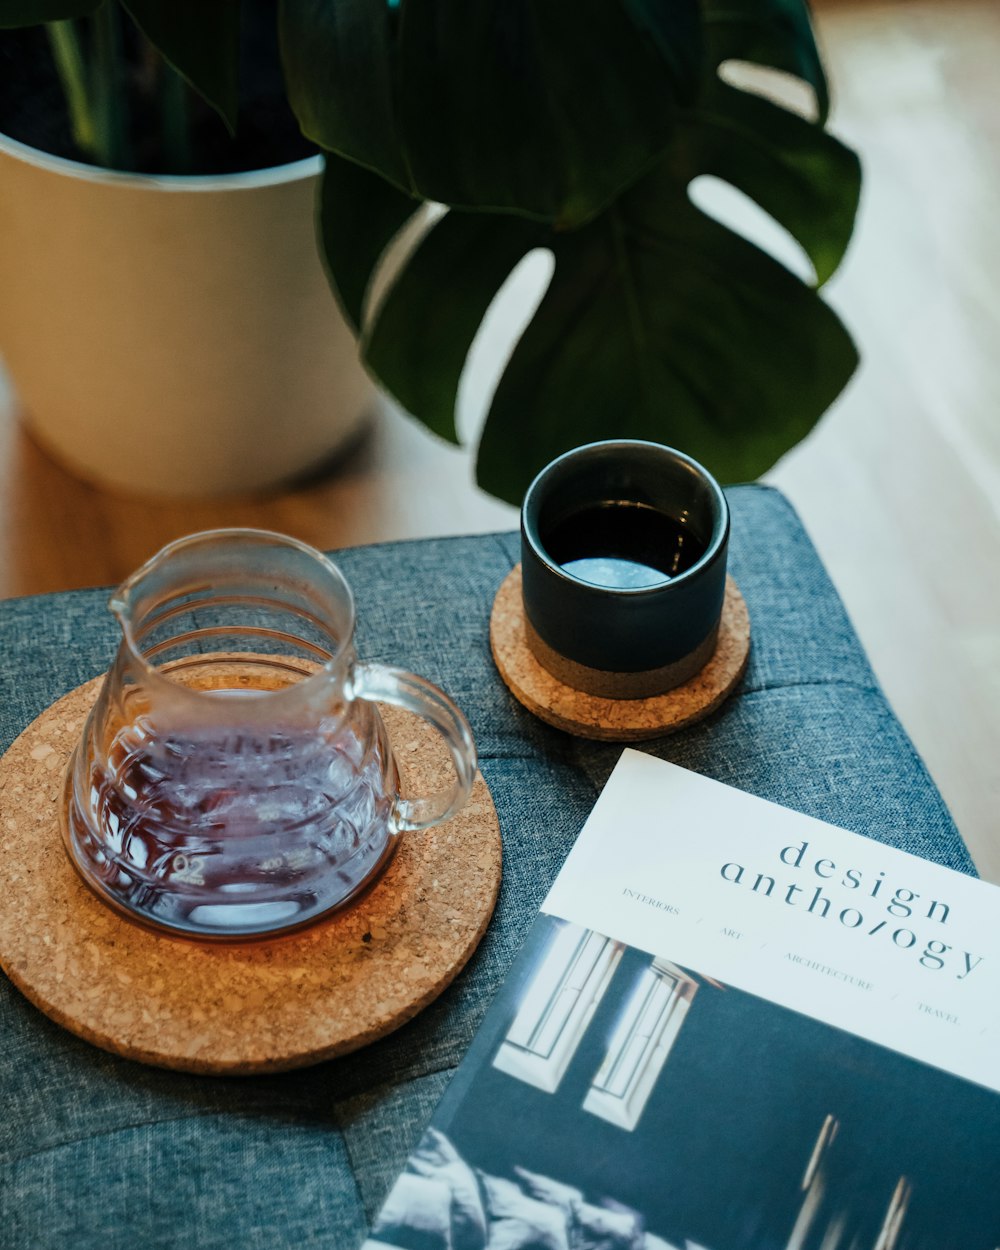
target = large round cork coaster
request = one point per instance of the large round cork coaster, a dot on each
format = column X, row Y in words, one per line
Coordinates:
column 616, row 720
column 249, row 1007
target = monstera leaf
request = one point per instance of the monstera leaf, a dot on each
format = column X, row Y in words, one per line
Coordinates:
column 526, row 106
column 658, row 322
column 201, row 41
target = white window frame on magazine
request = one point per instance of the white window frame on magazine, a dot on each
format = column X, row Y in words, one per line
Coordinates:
column 558, row 1006
column 639, row 1047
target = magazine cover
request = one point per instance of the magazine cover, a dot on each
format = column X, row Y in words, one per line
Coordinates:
column 732, row 1027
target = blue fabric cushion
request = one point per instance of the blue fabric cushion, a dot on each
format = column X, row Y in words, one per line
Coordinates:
column 96, row 1151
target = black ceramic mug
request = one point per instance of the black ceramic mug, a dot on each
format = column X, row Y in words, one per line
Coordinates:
column 623, row 560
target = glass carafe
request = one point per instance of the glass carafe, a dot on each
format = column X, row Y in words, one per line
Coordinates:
column 234, row 778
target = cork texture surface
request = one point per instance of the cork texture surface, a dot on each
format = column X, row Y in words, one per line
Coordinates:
column 249, row 1007
column 616, row 720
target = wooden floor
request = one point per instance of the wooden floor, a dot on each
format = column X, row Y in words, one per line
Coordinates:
column 899, row 486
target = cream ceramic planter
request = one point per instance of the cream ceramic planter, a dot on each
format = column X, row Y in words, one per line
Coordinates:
column 173, row 335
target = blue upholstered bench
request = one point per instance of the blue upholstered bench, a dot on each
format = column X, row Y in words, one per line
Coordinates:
column 101, row 1152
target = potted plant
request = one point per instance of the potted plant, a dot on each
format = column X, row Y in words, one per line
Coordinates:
column 578, row 129
column 578, row 133
column 165, row 316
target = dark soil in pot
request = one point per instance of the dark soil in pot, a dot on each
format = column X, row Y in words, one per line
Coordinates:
column 33, row 108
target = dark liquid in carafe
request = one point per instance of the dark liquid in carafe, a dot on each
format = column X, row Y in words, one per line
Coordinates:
column 623, row 545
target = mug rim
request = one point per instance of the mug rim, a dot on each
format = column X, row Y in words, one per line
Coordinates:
column 118, row 605
column 532, row 505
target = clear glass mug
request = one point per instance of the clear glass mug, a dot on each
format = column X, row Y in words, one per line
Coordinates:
column 234, row 778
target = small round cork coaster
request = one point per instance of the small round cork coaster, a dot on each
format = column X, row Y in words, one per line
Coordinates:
column 250, row 1007
column 615, row 720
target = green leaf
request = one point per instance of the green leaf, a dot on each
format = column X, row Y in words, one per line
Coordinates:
column 360, row 213
column 201, row 40
column 33, row 12
column 775, row 33
column 537, row 107
column 661, row 324
column 425, row 326
column 658, row 322
column 493, row 104
column 676, row 30
column 338, row 58
column 805, row 178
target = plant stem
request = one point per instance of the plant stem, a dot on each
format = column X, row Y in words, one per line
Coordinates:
column 174, row 121
column 113, row 148
column 68, row 56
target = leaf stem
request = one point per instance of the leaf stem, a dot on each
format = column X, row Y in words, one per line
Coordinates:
column 112, row 146
column 68, row 55
column 174, row 120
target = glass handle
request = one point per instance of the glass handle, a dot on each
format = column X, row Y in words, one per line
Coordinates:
column 402, row 689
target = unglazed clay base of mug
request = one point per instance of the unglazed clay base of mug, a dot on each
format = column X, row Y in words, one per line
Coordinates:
column 616, row 720
column 250, row 1007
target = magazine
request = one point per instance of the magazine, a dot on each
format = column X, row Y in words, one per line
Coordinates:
column 732, row 1027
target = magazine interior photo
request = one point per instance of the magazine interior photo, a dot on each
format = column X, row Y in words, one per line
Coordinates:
column 616, row 1101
